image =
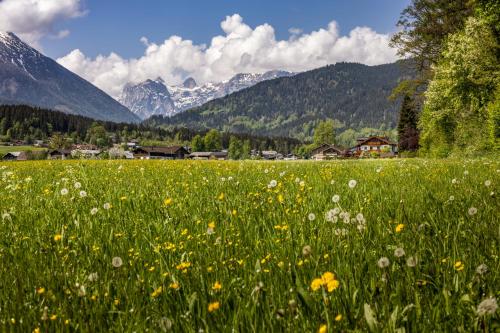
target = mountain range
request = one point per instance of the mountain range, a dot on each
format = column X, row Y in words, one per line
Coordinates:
column 29, row 77
column 356, row 96
column 155, row 97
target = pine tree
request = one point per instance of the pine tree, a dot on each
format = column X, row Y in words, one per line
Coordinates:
column 407, row 126
column 235, row 148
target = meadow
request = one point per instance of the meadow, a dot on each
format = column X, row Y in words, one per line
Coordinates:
column 218, row 246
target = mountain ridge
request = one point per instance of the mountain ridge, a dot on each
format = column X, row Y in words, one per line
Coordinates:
column 29, row 77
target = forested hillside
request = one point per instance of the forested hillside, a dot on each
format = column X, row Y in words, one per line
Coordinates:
column 354, row 95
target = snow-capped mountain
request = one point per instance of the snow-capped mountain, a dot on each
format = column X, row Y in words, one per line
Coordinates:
column 142, row 98
column 29, row 77
column 148, row 98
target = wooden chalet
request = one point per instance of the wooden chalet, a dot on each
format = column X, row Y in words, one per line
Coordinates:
column 326, row 152
column 15, row 156
column 59, row 154
column 206, row 155
column 381, row 146
column 161, row 153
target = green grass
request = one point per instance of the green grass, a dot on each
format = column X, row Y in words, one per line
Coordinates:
column 7, row 149
column 193, row 225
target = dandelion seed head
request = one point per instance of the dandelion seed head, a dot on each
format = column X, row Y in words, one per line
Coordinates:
column 336, row 198
column 64, row 191
column 311, row 217
column 107, row 206
column 482, row 269
column 487, row 307
column 383, row 262
column 117, row 262
column 94, row 211
column 352, row 183
column 487, row 183
column 411, row 262
column 78, row 185
column 83, row 194
column 306, row 251
column 399, row 252
column 472, row 211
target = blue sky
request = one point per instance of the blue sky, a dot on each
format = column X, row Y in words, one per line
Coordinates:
column 117, row 25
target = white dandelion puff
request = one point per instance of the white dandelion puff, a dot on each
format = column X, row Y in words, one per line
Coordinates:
column 336, row 198
column 472, row 211
column 411, row 262
column 383, row 262
column 107, row 206
column 93, row 277
column 93, row 211
column 311, row 217
column 352, row 183
column 482, row 269
column 83, row 194
column 117, row 262
column 273, row 183
column 64, row 191
column 399, row 252
column 487, row 183
column 487, row 307
column 78, row 185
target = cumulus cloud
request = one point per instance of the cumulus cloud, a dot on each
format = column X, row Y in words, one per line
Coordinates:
column 240, row 49
column 33, row 19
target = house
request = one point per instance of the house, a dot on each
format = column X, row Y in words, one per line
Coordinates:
column 59, row 154
column 326, row 152
column 162, row 153
column 271, row 155
column 203, row 155
column 375, row 145
column 85, row 153
column 15, row 156
column 291, row 157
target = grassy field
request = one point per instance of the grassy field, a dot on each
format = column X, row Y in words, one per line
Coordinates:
column 7, row 149
column 130, row 246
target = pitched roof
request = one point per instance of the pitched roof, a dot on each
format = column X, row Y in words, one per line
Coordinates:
column 162, row 150
column 384, row 140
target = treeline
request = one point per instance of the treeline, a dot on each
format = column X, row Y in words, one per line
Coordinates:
column 355, row 96
column 455, row 45
column 27, row 124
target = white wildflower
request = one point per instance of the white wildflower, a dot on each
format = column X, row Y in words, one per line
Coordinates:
column 472, row 211
column 383, row 262
column 336, row 198
column 352, row 183
column 487, row 307
column 117, row 262
column 64, row 191
column 399, row 252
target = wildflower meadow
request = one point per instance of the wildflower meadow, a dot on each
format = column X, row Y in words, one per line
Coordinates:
column 219, row 246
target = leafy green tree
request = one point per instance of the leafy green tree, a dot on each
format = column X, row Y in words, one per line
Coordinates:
column 235, row 148
column 59, row 141
column 407, row 126
column 197, row 143
column 246, row 150
column 97, row 135
column 212, row 140
column 464, row 84
column 324, row 132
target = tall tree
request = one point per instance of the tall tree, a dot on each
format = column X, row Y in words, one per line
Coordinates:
column 246, row 150
column 197, row 143
column 325, row 132
column 212, row 140
column 465, row 81
column 235, row 148
column 407, row 126
column 425, row 25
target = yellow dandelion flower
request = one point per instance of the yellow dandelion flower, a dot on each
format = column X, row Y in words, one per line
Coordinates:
column 217, row 286
column 53, row 317
column 400, row 227
column 234, row 212
column 36, row 330
column 221, row 196
column 339, row 317
column 57, row 237
column 213, row 306
column 323, row 329
column 40, row 291
column 211, row 225
column 116, row 301
column 281, row 199
column 332, row 285
column 174, row 285
column 316, row 284
column 459, row 266
column 167, row 202
column 66, row 322
column 327, row 277
column 157, row 292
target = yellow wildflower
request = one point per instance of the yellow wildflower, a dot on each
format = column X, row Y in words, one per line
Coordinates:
column 332, row 285
column 40, row 291
column 36, row 330
column 400, row 227
column 339, row 317
column 57, row 237
column 316, row 284
column 167, row 202
column 281, row 199
column 211, row 225
column 221, row 196
column 213, row 306
column 217, row 286
column 157, row 292
column 53, row 317
column 323, row 329
column 459, row 266
column 174, row 285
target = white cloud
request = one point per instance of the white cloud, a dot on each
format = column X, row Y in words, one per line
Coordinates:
column 240, row 49
column 33, row 19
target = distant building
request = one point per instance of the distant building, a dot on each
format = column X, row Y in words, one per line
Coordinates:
column 203, row 155
column 271, row 155
column 381, row 146
column 15, row 156
column 59, row 154
column 326, row 152
column 161, row 153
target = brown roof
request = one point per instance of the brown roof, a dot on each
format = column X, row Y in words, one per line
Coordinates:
column 323, row 148
column 384, row 140
column 163, row 150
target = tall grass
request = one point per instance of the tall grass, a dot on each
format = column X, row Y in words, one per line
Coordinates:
column 235, row 246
